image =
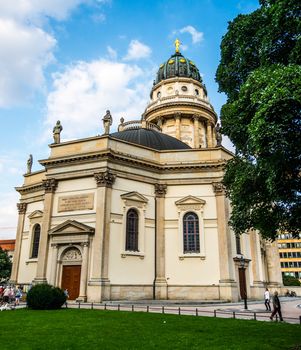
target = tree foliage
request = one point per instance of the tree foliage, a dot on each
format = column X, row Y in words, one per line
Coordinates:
column 291, row 281
column 5, row 265
column 261, row 74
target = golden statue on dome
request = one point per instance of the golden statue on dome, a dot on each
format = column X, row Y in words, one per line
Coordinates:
column 177, row 45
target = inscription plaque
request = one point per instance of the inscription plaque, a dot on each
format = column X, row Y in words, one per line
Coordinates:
column 76, row 202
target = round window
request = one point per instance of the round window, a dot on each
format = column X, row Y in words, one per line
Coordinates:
column 184, row 88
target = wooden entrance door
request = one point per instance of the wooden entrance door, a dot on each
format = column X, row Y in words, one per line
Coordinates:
column 242, row 283
column 71, row 280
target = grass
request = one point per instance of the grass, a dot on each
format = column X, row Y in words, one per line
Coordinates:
column 95, row 329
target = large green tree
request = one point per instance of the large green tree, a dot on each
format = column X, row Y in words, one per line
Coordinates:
column 260, row 73
column 5, row 265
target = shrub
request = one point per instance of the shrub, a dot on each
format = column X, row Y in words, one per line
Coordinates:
column 291, row 281
column 45, row 297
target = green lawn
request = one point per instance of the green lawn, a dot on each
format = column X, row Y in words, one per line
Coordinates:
column 94, row 329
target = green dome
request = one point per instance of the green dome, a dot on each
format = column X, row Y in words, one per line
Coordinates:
column 178, row 66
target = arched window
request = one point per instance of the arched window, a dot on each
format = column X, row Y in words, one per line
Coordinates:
column 191, row 233
column 36, row 241
column 132, row 231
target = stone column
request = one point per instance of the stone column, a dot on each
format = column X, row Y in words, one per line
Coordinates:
column 20, row 228
column 196, row 131
column 258, row 285
column 84, row 274
column 178, row 125
column 273, row 262
column 99, row 274
column 160, row 278
column 53, row 264
column 209, row 134
column 228, row 289
column 50, row 187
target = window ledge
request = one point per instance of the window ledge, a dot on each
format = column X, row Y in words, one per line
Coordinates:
column 31, row 260
column 129, row 253
column 192, row 255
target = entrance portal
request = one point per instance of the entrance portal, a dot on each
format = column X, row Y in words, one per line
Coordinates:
column 242, row 283
column 71, row 280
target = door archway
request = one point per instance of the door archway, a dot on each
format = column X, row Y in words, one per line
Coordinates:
column 71, row 271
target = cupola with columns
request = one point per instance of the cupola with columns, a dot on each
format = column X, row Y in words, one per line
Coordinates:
column 179, row 104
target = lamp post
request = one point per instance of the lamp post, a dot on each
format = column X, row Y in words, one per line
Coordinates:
column 243, row 281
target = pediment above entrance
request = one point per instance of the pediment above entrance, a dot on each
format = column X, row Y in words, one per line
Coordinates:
column 134, row 198
column 35, row 214
column 190, row 202
column 71, row 227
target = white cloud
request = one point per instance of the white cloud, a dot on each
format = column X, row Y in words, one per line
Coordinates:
column 137, row 50
column 85, row 90
column 112, row 54
column 36, row 10
column 196, row 36
column 26, row 48
column 25, row 52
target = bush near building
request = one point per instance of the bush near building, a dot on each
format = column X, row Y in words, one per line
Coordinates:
column 291, row 281
column 45, row 297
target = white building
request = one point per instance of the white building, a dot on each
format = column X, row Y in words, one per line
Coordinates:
column 141, row 213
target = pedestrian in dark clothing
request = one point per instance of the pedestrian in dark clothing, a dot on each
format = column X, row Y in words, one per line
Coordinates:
column 276, row 307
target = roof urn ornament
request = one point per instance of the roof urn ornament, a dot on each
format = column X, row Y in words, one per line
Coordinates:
column 107, row 122
column 57, row 132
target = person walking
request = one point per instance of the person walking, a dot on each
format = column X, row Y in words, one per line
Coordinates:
column 276, row 307
column 18, row 296
column 267, row 299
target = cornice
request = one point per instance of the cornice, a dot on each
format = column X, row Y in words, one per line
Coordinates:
column 30, row 188
column 177, row 104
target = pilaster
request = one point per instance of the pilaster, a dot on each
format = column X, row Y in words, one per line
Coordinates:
column 178, row 125
column 99, row 280
column 196, row 131
column 160, row 278
column 50, row 186
column 228, row 287
column 20, row 228
column 273, row 265
column 84, row 273
column 209, row 135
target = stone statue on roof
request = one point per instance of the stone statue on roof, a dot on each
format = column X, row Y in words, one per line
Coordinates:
column 57, row 132
column 218, row 135
column 29, row 164
column 107, row 122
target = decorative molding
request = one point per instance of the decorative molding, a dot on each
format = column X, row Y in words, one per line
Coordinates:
column 105, row 179
column 30, row 189
column 160, row 190
column 134, row 198
column 190, row 203
column 22, row 208
column 37, row 214
column 218, row 188
column 72, row 254
column 50, row 185
column 71, row 227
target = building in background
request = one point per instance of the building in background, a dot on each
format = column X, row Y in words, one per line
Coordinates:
column 9, row 246
column 290, row 255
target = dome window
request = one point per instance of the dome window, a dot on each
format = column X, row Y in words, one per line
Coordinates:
column 196, row 91
column 184, row 88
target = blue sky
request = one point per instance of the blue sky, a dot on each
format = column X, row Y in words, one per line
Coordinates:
column 72, row 60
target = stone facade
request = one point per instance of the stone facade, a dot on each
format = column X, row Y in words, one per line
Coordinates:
column 81, row 198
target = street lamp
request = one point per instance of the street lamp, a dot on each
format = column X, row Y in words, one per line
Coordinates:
column 242, row 279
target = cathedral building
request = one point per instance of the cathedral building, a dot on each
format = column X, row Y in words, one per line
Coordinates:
column 141, row 213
